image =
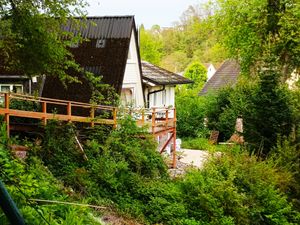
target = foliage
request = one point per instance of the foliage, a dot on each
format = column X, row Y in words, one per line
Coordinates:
column 204, row 144
column 33, row 42
column 248, row 187
column 30, row 179
column 190, row 114
column 220, row 115
column 193, row 38
column 151, row 49
column 286, row 157
column 254, row 30
column 197, row 73
column 263, row 127
column 176, row 61
column 237, row 189
column 125, row 171
column 55, row 146
column 265, row 106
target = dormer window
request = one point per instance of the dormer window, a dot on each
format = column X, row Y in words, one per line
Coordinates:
column 100, row 43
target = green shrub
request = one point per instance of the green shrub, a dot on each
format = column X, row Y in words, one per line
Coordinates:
column 30, row 179
column 286, row 157
column 190, row 110
column 59, row 151
column 237, row 189
column 220, row 115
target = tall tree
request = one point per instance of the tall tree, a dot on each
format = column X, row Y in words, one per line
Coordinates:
column 32, row 39
column 252, row 30
column 151, row 45
column 198, row 73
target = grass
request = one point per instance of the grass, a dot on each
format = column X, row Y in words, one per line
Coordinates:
column 203, row 144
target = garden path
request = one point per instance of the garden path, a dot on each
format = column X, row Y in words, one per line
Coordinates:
column 194, row 157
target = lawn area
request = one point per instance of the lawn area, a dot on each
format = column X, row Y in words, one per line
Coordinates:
column 203, row 144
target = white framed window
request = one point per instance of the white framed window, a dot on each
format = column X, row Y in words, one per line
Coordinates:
column 16, row 88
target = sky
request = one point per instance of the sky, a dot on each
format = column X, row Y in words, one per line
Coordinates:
column 147, row 12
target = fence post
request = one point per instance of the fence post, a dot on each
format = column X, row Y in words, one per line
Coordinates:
column 143, row 116
column 153, row 120
column 44, row 108
column 92, row 116
column 69, row 111
column 6, row 116
column 174, row 141
column 167, row 118
column 115, row 118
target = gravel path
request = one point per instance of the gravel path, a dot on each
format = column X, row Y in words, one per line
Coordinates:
column 194, row 157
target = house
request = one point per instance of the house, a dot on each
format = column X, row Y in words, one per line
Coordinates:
column 210, row 70
column 159, row 85
column 226, row 75
column 111, row 51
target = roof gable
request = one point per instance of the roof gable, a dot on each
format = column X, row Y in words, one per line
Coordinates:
column 226, row 75
column 102, row 27
column 108, row 61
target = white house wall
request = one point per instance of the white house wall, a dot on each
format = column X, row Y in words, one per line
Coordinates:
column 163, row 98
column 210, row 71
column 132, row 76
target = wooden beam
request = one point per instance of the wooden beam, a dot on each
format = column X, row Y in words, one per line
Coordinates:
column 44, row 109
column 6, row 114
column 166, row 144
column 69, row 111
column 174, row 141
column 92, row 116
column 153, row 120
column 115, row 118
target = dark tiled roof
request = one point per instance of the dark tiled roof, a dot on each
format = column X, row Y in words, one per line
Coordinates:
column 226, row 75
column 108, row 61
column 160, row 76
column 102, row 27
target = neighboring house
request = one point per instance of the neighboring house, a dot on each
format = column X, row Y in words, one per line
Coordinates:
column 210, row 70
column 111, row 52
column 226, row 75
column 159, row 85
column 15, row 82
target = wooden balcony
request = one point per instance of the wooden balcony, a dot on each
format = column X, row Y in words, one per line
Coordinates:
column 160, row 121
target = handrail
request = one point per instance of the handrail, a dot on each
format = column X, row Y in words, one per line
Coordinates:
column 158, row 116
column 54, row 101
column 161, row 120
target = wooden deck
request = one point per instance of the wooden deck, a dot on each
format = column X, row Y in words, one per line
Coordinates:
column 160, row 121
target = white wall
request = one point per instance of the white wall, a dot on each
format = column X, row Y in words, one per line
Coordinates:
column 163, row 98
column 132, row 77
column 210, row 71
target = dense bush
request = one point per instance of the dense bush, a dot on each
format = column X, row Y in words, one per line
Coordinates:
column 265, row 106
column 126, row 172
column 286, row 157
column 59, row 150
column 219, row 114
column 237, row 189
column 30, row 179
column 190, row 114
